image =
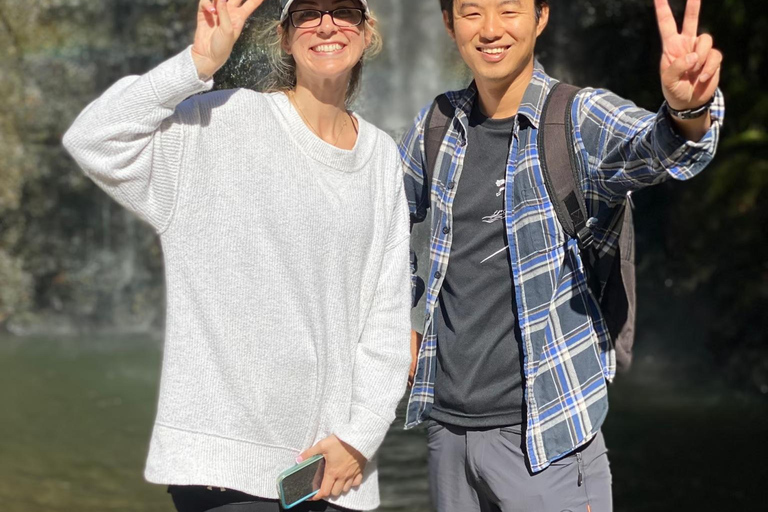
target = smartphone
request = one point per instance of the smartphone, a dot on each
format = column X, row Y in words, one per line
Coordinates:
column 301, row 482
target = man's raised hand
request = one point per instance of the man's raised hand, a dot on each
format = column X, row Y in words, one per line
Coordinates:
column 219, row 25
column 690, row 66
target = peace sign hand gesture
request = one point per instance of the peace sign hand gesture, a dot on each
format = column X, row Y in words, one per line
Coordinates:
column 219, row 25
column 690, row 67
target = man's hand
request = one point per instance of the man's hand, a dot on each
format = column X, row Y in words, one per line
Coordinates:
column 219, row 25
column 344, row 466
column 690, row 66
column 415, row 347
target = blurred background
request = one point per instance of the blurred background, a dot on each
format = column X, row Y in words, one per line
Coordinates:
column 81, row 281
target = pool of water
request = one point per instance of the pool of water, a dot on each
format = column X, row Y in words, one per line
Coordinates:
column 75, row 419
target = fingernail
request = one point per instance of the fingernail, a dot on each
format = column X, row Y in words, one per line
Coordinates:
column 299, row 459
column 691, row 58
column 703, row 77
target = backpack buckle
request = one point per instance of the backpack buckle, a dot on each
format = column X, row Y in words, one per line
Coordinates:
column 586, row 237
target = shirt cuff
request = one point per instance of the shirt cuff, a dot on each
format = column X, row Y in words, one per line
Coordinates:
column 683, row 158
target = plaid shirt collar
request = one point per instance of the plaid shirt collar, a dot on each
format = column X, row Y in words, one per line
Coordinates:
column 531, row 107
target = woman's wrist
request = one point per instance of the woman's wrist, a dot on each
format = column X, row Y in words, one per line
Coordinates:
column 205, row 68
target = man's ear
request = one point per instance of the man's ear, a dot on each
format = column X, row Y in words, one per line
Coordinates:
column 283, row 40
column 448, row 21
column 543, row 20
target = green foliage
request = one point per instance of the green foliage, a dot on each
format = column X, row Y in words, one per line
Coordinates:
column 90, row 262
column 706, row 239
column 15, row 292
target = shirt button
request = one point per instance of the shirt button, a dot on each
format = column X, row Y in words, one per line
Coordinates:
column 438, row 275
column 446, row 230
column 451, row 185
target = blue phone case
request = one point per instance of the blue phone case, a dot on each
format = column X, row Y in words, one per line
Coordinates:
column 291, row 471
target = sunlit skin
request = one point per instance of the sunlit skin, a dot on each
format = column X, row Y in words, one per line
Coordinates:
column 331, row 69
column 689, row 70
column 322, row 79
column 690, row 66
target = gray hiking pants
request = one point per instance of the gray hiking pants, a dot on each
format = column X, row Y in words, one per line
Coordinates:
column 484, row 470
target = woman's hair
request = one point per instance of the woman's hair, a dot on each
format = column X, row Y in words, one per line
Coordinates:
column 282, row 75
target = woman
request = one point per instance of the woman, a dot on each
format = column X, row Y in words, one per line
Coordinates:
column 285, row 237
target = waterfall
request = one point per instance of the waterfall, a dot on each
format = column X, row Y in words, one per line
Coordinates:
column 419, row 61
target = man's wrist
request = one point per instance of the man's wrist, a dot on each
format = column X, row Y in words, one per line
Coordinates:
column 690, row 113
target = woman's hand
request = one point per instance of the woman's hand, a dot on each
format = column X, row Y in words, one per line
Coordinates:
column 343, row 466
column 219, row 25
column 415, row 349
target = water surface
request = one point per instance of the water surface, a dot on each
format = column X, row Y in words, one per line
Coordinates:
column 77, row 415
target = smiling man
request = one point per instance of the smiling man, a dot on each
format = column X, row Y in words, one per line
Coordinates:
column 516, row 356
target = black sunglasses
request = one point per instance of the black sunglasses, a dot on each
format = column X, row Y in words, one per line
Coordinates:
column 312, row 18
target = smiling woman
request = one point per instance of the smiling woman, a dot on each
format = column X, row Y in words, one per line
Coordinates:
column 282, row 77
column 287, row 335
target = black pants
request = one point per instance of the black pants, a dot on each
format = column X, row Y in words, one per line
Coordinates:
column 203, row 499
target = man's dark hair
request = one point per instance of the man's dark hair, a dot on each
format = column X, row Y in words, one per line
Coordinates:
column 447, row 6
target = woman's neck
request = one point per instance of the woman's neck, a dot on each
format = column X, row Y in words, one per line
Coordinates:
column 322, row 105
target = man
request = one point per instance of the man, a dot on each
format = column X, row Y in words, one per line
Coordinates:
column 516, row 357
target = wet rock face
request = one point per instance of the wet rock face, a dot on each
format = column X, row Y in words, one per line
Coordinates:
column 73, row 260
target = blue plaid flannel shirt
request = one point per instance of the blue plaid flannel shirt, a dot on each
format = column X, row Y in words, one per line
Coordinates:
column 568, row 357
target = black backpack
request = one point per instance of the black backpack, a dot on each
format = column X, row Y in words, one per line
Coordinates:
column 614, row 287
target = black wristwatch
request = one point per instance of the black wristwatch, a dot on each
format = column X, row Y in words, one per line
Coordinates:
column 691, row 113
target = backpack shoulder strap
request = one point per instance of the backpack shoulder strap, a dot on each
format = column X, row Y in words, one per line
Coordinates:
column 437, row 123
column 560, row 165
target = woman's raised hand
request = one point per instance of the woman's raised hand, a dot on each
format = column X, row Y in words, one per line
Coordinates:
column 219, row 25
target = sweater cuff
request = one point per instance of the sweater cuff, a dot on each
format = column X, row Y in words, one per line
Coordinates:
column 177, row 79
column 365, row 432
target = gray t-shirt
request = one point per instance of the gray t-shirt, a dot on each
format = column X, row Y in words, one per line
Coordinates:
column 479, row 378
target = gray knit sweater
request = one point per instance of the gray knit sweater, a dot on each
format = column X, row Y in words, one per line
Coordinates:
column 288, row 282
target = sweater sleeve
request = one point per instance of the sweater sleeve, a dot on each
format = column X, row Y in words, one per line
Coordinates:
column 383, row 354
column 130, row 140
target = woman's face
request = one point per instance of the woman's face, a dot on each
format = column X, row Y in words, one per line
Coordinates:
column 327, row 51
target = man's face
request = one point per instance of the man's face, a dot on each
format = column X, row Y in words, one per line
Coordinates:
column 496, row 38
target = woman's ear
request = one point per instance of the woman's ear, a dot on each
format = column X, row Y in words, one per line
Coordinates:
column 368, row 33
column 281, row 32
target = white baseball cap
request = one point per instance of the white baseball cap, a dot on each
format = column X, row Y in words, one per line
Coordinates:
column 286, row 5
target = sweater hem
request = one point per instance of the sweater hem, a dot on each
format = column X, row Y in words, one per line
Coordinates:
column 179, row 456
